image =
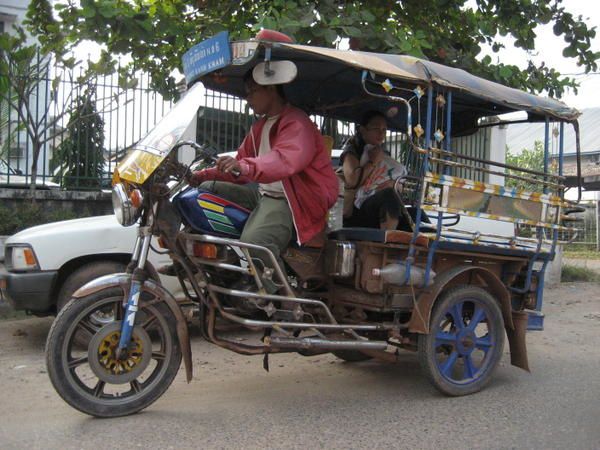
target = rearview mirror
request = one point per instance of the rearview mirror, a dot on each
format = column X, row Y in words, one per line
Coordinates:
column 274, row 72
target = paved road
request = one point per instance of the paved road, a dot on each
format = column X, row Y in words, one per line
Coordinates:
column 321, row 402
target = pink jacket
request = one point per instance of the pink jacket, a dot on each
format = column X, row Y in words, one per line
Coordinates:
column 299, row 159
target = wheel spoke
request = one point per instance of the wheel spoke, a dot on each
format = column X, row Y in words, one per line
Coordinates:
column 87, row 328
column 443, row 337
column 159, row 356
column 469, row 371
column 478, row 315
column 484, row 343
column 448, row 365
column 74, row 363
column 99, row 388
column 457, row 316
column 149, row 322
column 135, row 386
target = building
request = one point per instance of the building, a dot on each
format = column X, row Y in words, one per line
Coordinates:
column 521, row 136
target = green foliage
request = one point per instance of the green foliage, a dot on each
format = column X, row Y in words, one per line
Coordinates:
column 80, row 155
column 22, row 67
column 157, row 33
column 26, row 214
column 575, row 273
column 526, row 159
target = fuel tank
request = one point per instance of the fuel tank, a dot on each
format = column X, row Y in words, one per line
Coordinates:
column 208, row 213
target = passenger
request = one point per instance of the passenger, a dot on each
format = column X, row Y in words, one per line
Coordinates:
column 284, row 153
column 368, row 167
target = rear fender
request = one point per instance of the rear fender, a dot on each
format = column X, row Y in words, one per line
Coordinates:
column 123, row 281
column 421, row 314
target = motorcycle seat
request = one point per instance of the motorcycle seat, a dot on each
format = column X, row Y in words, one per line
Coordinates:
column 377, row 235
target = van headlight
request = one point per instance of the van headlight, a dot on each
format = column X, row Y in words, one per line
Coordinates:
column 127, row 207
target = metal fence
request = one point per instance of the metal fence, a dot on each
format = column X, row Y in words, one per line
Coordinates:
column 585, row 227
column 128, row 114
column 123, row 116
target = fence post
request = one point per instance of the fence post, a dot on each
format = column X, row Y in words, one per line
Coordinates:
column 597, row 217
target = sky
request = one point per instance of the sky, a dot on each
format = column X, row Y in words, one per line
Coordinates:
column 549, row 50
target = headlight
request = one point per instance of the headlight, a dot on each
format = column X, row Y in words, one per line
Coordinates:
column 21, row 257
column 127, row 207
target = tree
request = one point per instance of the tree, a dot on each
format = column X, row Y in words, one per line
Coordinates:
column 532, row 159
column 157, row 33
column 85, row 131
column 26, row 88
column 22, row 68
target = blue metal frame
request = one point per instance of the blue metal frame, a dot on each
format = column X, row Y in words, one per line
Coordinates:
column 438, row 234
column 129, row 315
column 412, row 246
column 535, row 320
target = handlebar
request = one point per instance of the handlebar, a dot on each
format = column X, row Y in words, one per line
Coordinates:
column 205, row 154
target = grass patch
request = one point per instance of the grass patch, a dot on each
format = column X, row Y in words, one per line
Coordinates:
column 581, row 254
column 574, row 273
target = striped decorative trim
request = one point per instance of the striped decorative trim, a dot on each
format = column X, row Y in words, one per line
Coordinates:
column 218, row 217
column 447, row 180
column 211, row 206
column 462, row 212
column 221, row 227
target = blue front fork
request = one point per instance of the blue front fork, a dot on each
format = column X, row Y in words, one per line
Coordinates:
column 140, row 254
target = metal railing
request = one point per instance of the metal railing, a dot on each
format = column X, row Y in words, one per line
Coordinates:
column 127, row 114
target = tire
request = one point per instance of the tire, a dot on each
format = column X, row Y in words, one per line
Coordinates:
column 466, row 329
column 92, row 380
column 351, row 355
column 83, row 275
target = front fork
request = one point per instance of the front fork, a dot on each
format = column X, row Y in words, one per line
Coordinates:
column 140, row 255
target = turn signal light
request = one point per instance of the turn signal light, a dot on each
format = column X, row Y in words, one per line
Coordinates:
column 29, row 257
column 204, row 250
column 136, row 198
column 162, row 243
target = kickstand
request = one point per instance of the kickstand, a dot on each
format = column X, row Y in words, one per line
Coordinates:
column 266, row 357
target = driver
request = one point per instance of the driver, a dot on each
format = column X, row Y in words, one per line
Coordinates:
column 284, row 157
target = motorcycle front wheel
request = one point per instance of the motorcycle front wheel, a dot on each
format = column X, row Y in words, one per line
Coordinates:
column 89, row 377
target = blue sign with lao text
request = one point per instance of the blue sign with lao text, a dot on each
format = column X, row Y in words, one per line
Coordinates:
column 208, row 55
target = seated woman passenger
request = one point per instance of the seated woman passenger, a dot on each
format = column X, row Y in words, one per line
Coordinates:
column 370, row 170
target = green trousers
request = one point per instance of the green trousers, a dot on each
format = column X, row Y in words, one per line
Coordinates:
column 270, row 223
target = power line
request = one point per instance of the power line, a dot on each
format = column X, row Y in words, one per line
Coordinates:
column 581, row 74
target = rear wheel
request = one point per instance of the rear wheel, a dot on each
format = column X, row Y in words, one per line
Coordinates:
column 91, row 379
column 465, row 341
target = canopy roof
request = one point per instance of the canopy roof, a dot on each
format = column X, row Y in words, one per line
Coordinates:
column 329, row 83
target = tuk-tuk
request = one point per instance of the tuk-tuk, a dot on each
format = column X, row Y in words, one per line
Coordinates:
column 429, row 286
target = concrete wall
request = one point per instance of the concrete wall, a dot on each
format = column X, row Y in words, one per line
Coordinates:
column 94, row 203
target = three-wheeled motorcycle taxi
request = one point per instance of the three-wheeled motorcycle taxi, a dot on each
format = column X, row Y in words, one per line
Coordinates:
column 432, row 286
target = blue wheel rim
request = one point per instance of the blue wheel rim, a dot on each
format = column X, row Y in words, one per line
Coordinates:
column 464, row 342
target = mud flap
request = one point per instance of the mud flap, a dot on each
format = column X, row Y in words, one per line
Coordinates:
column 516, row 340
